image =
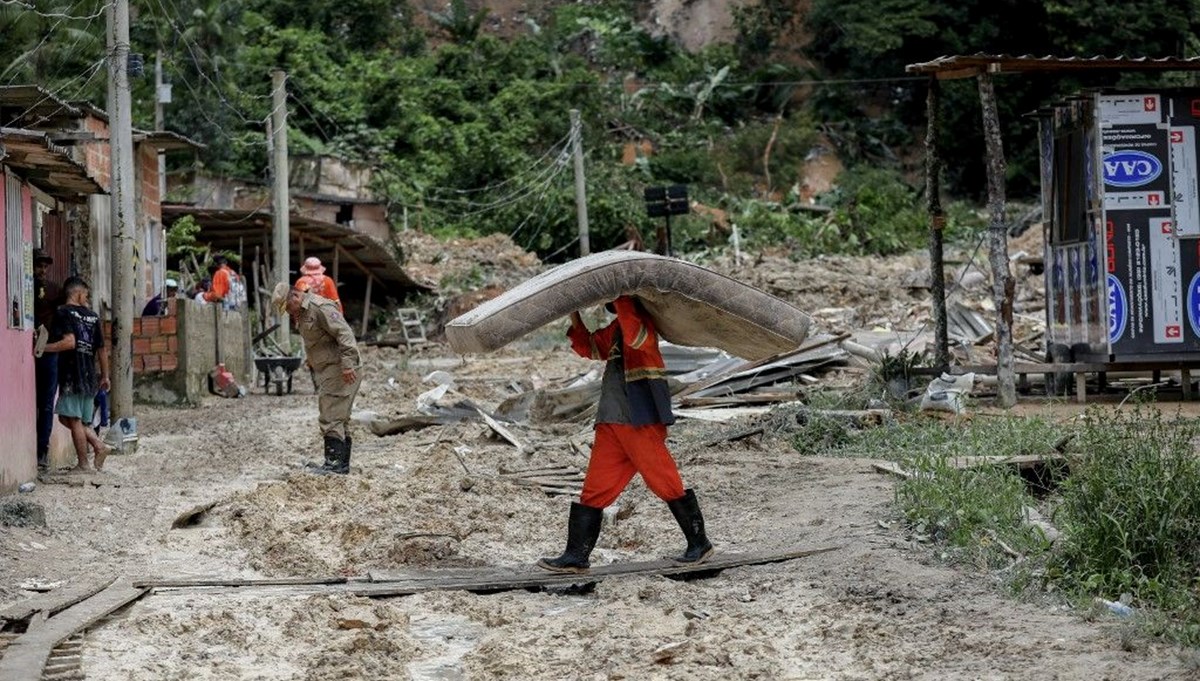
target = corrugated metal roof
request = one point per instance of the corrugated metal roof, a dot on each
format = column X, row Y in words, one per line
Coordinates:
column 225, row 229
column 44, row 165
column 969, row 65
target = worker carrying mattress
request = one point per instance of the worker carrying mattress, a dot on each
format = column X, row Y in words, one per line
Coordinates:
column 690, row 305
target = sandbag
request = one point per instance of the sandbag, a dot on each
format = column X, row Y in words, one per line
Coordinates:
column 691, row 305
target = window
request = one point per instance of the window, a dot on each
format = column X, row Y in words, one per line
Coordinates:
column 18, row 300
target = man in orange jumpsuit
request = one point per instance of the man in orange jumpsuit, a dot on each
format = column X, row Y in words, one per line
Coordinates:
column 312, row 277
column 631, row 435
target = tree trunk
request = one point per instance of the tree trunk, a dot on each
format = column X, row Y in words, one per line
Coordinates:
column 937, row 224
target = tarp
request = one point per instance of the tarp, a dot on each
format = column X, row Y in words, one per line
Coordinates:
column 691, row 305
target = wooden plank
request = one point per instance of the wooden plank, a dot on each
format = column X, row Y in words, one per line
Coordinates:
column 25, row 658
column 165, row 582
column 413, row 581
column 57, row 600
column 891, row 468
column 501, row 430
column 533, row 577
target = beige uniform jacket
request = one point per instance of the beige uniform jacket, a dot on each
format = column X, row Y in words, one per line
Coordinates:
column 330, row 344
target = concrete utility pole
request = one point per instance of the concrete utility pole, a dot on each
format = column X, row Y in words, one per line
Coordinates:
column 585, row 245
column 280, row 201
column 159, row 100
column 124, row 216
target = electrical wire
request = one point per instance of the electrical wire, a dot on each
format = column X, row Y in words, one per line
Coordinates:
column 30, row 7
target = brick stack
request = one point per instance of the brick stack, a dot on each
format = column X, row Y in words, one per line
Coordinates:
column 155, row 343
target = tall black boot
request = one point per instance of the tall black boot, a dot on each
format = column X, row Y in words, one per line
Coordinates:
column 332, row 447
column 686, row 510
column 340, row 464
column 583, row 529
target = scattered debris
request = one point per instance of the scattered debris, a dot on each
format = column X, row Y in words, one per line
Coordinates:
column 21, row 513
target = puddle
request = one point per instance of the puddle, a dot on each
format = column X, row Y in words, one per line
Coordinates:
column 448, row 638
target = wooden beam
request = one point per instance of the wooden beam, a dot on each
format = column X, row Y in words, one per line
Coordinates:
column 336, row 259
column 1003, row 286
column 956, row 74
column 937, row 224
column 366, row 318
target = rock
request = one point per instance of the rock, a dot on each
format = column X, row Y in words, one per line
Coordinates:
column 21, row 513
column 352, row 624
column 665, row 654
column 26, row 487
column 466, row 484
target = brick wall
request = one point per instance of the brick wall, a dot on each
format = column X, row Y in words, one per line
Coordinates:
column 95, row 154
column 147, row 173
column 155, row 342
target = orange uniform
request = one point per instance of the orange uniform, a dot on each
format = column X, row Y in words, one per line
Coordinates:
column 320, row 285
column 221, row 283
column 634, row 410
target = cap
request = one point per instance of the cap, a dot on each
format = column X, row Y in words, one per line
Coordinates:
column 170, row 283
column 312, row 266
column 279, row 296
column 40, row 256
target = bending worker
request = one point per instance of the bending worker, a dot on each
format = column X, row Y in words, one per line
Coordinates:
column 631, row 435
column 333, row 354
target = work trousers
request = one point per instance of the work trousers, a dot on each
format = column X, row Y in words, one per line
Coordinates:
column 335, row 399
column 46, row 375
column 621, row 450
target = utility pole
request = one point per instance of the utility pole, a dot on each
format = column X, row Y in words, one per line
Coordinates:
column 280, row 201
column 585, row 245
column 159, row 100
column 124, row 217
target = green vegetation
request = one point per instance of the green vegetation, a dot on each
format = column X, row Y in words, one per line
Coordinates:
column 465, row 114
column 1126, row 506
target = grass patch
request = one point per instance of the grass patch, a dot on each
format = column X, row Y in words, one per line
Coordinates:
column 1129, row 513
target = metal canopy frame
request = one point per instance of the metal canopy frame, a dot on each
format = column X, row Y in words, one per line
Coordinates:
column 982, row 67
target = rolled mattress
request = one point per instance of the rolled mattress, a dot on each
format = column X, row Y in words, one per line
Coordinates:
column 690, row 305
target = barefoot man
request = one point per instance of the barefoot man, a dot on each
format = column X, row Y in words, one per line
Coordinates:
column 333, row 355
column 631, row 435
column 76, row 337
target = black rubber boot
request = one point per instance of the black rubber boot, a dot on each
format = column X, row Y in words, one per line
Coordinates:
column 340, row 464
column 332, row 446
column 583, row 529
column 686, row 510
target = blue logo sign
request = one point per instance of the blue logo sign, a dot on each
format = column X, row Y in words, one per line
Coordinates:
column 1118, row 309
column 1193, row 304
column 1131, row 168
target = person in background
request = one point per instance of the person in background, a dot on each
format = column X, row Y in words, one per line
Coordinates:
column 77, row 338
column 158, row 305
column 312, row 276
column 631, row 435
column 222, row 282
column 47, row 296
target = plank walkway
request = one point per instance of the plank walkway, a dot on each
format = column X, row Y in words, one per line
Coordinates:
column 487, row 580
column 25, row 657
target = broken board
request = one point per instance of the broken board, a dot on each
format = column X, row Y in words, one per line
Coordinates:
column 56, row 600
column 495, row 579
column 25, row 658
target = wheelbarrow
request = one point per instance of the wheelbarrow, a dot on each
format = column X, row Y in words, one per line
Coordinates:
column 277, row 371
column 275, row 368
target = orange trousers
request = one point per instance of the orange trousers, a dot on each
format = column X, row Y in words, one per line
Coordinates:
column 621, row 450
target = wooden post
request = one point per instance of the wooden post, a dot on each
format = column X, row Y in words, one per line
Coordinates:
column 302, row 251
column 1003, row 285
column 366, row 307
column 937, row 224
column 581, row 213
column 336, row 252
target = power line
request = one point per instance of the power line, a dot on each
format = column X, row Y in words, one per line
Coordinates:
column 30, row 7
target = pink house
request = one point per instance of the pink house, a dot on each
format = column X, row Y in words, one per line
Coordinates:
column 37, row 181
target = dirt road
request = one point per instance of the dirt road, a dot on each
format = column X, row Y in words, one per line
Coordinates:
column 879, row 607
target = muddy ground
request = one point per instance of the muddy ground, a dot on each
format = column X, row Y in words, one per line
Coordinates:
column 879, row 607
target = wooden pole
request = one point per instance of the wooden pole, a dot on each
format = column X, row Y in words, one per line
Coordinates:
column 336, row 251
column 1003, row 285
column 301, row 251
column 937, row 224
column 366, row 307
column 580, row 185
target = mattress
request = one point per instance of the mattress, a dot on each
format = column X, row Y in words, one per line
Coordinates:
column 691, row 305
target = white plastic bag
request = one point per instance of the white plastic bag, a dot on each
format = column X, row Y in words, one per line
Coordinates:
column 948, row 393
